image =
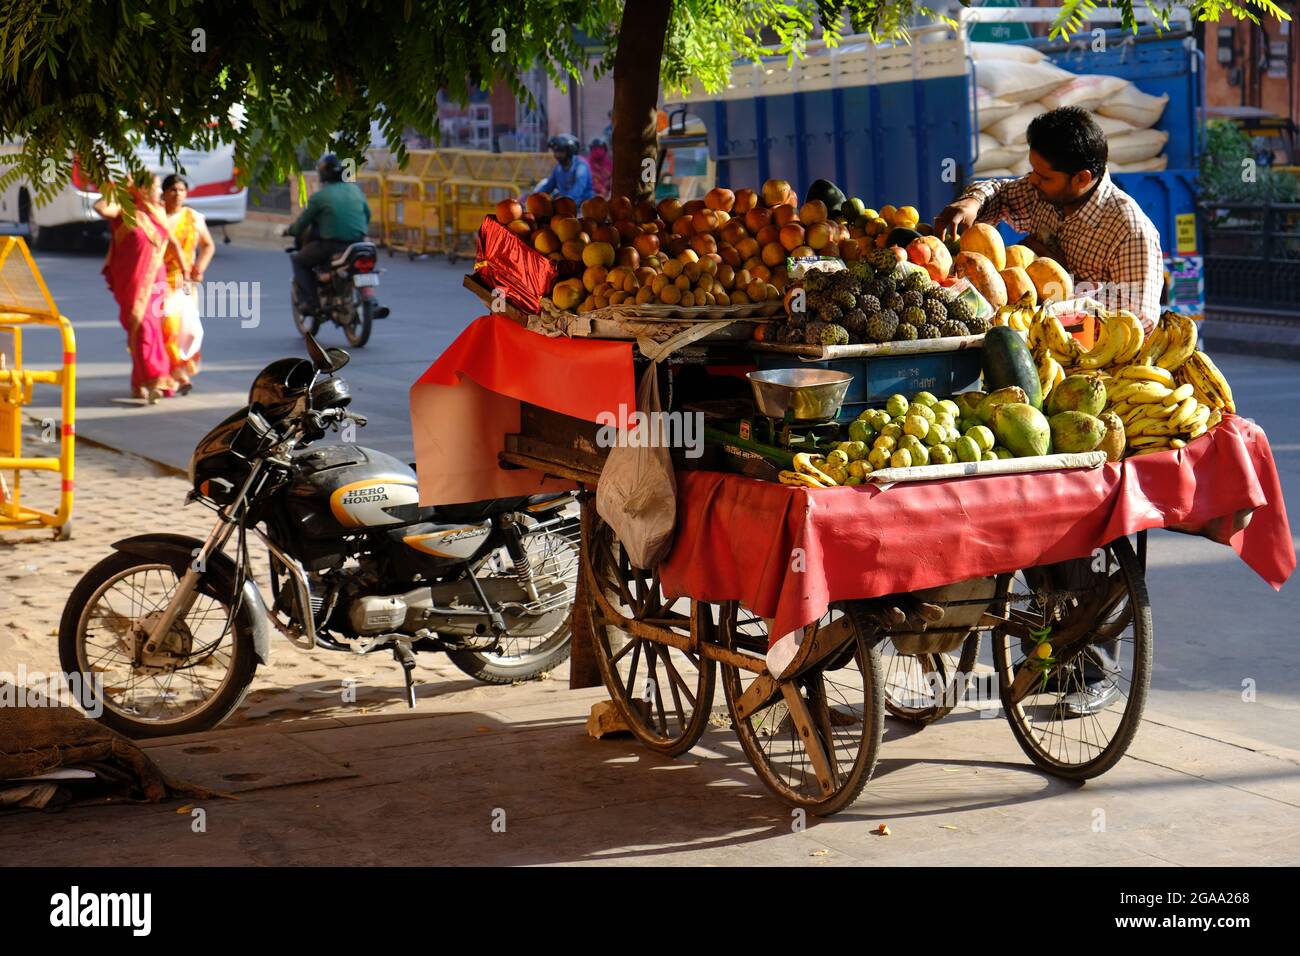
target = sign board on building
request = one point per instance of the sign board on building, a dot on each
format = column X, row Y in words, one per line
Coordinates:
column 999, row 32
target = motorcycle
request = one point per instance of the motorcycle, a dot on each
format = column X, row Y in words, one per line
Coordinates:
column 347, row 288
column 166, row 632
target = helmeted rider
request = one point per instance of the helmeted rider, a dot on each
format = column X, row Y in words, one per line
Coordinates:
column 571, row 176
column 336, row 216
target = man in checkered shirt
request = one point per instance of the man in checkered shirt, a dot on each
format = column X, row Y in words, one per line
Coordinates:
column 1073, row 214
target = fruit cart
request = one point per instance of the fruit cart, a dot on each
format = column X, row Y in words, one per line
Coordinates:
column 806, row 651
column 825, row 583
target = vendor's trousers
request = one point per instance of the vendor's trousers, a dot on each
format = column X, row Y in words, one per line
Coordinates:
column 305, row 260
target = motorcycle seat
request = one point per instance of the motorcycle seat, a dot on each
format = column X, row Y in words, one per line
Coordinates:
column 342, row 257
column 479, row 510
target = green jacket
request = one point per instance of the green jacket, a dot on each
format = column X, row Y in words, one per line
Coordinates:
column 339, row 210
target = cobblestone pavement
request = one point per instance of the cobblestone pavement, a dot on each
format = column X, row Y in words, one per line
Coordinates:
column 119, row 495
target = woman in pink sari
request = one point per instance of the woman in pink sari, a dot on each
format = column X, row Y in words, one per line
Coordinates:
column 137, row 277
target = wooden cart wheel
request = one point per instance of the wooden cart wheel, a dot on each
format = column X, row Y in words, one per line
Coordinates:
column 1104, row 597
column 813, row 739
column 663, row 691
column 921, row 688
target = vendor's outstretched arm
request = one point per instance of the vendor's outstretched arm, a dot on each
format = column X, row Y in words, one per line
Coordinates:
column 990, row 201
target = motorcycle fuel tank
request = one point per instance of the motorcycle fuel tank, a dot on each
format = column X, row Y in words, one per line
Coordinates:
column 345, row 488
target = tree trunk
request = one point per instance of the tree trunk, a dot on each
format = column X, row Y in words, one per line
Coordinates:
column 641, row 38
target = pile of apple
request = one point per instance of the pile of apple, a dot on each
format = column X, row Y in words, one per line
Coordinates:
column 728, row 248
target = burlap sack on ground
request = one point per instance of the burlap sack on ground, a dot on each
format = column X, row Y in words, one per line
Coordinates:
column 35, row 740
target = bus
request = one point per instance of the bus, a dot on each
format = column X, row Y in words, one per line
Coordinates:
column 69, row 214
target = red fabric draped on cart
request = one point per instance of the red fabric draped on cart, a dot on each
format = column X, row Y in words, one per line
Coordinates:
column 465, row 404
column 824, row 545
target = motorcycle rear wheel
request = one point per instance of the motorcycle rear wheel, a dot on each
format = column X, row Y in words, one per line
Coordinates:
column 553, row 555
column 361, row 316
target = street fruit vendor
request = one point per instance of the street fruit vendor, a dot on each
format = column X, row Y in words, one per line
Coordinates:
column 1073, row 213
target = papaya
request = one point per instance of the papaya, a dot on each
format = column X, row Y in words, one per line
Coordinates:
column 979, row 269
column 1019, row 257
column 1006, row 362
column 930, row 252
column 1052, row 282
column 987, row 241
column 1019, row 285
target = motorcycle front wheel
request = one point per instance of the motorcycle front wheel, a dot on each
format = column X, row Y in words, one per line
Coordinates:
column 554, row 557
column 200, row 672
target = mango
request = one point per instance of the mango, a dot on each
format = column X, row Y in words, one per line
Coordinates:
column 1012, row 393
column 1077, row 393
column 1022, row 429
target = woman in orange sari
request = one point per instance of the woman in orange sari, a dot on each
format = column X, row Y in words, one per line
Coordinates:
column 138, row 280
column 196, row 248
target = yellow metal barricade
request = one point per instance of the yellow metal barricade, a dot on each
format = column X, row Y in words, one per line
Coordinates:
column 438, row 201
column 469, row 200
column 408, row 213
column 25, row 302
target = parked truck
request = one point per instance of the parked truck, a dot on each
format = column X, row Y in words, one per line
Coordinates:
column 898, row 123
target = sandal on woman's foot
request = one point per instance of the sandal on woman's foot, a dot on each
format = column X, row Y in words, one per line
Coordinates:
column 154, row 395
column 184, row 388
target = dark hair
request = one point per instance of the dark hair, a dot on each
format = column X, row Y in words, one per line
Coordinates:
column 173, row 179
column 1070, row 140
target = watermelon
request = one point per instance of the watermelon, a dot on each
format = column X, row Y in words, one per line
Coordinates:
column 1006, row 361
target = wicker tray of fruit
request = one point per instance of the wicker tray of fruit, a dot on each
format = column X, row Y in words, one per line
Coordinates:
column 655, row 321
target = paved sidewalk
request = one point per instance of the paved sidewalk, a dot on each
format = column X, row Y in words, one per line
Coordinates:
column 507, row 775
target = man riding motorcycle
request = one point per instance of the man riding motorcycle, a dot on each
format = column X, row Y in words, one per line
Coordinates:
column 336, row 216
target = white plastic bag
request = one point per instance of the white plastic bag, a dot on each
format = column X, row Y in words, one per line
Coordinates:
column 637, row 492
column 184, row 302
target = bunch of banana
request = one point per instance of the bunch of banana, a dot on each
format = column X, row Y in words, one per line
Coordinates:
column 1046, row 331
column 1119, row 341
column 1158, row 412
column 1208, row 383
column 817, row 471
column 1050, row 371
column 1019, row 316
column 1171, row 343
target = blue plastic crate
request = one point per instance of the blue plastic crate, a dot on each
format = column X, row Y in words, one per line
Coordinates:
column 875, row 378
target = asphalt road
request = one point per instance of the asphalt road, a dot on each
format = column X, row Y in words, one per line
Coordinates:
column 429, row 308
column 1217, row 625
